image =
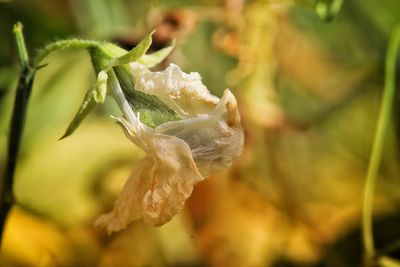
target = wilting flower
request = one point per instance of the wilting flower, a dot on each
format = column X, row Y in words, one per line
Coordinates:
column 187, row 133
column 180, row 153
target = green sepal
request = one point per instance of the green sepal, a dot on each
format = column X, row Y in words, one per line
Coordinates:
column 151, row 60
column 134, row 54
column 152, row 111
column 87, row 106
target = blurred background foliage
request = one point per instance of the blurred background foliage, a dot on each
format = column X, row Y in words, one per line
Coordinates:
column 309, row 93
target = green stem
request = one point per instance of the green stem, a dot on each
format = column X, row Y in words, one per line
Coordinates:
column 16, row 127
column 63, row 44
column 20, row 40
column 380, row 134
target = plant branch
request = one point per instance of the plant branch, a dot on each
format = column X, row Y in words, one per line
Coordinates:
column 16, row 127
column 61, row 45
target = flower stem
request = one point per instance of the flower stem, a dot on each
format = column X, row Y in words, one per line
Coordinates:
column 377, row 148
column 63, row 44
column 20, row 40
column 16, row 127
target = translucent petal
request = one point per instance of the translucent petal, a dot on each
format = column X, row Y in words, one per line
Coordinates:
column 128, row 206
column 215, row 139
column 179, row 153
column 159, row 185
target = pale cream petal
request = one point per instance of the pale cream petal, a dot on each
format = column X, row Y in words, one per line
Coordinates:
column 215, row 139
column 128, row 206
column 183, row 92
column 171, row 179
column 179, row 153
column 159, row 186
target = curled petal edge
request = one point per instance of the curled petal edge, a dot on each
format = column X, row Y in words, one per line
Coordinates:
column 158, row 186
column 160, row 183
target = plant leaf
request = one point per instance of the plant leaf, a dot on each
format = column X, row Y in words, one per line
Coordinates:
column 87, row 106
column 134, row 54
column 155, row 58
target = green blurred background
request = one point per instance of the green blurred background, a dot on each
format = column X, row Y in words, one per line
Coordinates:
column 309, row 93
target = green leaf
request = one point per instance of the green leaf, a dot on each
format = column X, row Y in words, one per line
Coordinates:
column 87, row 106
column 133, row 55
column 155, row 58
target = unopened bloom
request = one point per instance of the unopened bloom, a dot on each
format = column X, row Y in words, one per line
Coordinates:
column 179, row 153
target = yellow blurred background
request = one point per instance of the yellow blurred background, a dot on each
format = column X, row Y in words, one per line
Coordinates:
column 309, row 94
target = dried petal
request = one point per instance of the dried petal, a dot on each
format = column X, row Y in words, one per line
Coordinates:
column 159, row 186
column 183, row 92
column 128, row 206
column 215, row 139
column 179, row 153
column 172, row 178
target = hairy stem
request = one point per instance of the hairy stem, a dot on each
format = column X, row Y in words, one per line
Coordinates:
column 61, row 45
